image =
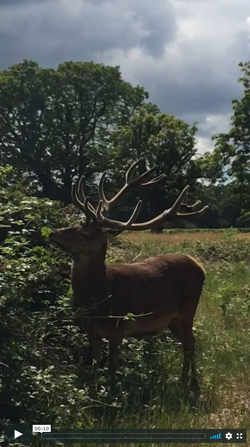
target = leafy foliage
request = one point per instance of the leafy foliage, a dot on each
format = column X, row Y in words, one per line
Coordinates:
column 55, row 124
column 232, row 151
column 33, row 279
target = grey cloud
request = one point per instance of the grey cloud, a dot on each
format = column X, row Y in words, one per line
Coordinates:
column 195, row 99
column 11, row 3
column 207, row 83
column 198, row 74
column 184, row 52
column 59, row 30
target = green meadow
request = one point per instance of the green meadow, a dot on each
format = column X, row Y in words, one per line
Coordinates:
column 54, row 383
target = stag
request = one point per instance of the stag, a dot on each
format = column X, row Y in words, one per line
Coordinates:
column 161, row 292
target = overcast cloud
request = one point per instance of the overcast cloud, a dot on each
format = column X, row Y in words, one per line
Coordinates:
column 184, row 52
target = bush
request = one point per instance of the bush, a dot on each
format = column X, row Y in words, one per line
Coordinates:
column 34, row 291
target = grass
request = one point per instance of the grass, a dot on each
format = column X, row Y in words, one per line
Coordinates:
column 174, row 236
column 222, row 332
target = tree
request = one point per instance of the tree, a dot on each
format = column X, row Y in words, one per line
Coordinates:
column 55, row 124
column 218, row 191
column 233, row 147
column 164, row 141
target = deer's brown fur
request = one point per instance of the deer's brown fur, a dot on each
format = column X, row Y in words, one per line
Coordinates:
column 161, row 292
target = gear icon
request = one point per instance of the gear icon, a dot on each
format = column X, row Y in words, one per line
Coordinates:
column 228, row 436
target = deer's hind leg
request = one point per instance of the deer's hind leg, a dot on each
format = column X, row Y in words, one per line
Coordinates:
column 182, row 329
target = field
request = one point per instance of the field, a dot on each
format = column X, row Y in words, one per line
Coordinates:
column 57, row 386
column 222, row 333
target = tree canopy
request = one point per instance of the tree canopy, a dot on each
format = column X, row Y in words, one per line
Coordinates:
column 83, row 118
column 55, row 124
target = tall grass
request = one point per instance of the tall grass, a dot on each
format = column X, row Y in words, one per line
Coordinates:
column 150, row 395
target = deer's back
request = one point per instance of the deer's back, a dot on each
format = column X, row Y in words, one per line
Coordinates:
column 161, row 283
column 163, row 288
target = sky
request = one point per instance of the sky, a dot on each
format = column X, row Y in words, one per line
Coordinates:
column 185, row 53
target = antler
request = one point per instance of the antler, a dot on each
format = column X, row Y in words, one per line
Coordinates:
column 115, row 224
column 129, row 184
column 82, row 202
column 167, row 215
column 179, row 210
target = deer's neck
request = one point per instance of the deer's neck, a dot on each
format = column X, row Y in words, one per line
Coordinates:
column 89, row 278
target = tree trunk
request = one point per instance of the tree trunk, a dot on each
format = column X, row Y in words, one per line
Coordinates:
column 49, row 187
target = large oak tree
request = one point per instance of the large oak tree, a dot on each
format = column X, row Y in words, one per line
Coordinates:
column 55, row 124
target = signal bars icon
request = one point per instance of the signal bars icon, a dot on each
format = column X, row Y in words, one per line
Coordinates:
column 218, row 436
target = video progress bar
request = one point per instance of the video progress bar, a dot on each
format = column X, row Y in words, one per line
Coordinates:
column 125, row 437
column 196, row 436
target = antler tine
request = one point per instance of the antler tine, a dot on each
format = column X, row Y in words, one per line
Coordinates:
column 194, row 213
column 176, row 206
column 115, row 224
column 131, row 169
column 145, row 174
column 174, row 210
column 195, row 204
column 78, row 204
column 185, row 197
column 89, row 209
column 185, row 207
column 102, row 197
column 189, row 210
column 135, row 213
column 84, row 207
column 155, row 180
column 81, row 194
column 129, row 183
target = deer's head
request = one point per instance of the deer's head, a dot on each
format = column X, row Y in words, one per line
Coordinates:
column 91, row 235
